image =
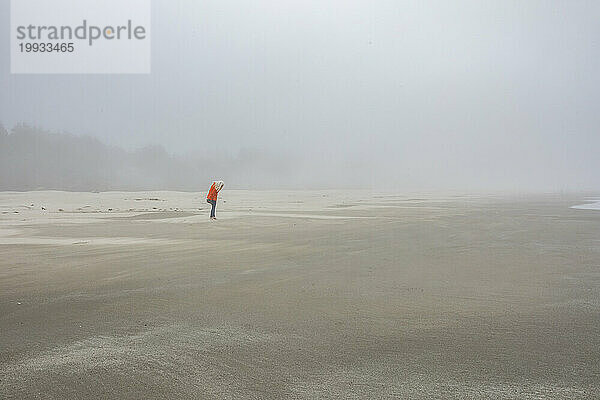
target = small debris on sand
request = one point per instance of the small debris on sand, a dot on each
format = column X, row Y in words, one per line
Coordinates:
column 149, row 199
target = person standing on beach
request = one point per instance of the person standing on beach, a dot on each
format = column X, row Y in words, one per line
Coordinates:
column 211, row 198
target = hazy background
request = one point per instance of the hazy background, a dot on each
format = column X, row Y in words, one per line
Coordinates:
column 394, row 95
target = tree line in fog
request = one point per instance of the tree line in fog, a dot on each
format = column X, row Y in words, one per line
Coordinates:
column 35, row 159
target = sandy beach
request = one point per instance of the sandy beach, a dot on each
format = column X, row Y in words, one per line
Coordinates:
column 298, row 294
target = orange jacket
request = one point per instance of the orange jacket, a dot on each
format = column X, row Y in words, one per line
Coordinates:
column 212, row 193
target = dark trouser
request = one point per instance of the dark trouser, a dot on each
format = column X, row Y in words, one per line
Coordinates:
column 214, row 206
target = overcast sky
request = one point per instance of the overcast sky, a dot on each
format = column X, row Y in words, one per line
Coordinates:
column 458, row 95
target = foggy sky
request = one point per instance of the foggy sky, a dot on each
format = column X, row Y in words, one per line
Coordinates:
column 419, row 95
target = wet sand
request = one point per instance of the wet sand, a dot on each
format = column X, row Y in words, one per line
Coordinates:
column 298, row 295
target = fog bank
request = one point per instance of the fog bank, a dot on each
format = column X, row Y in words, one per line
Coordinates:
column 32, row 158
